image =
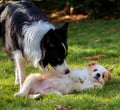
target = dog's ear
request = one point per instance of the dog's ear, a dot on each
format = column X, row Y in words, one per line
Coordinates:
column 92, row 63
column 53, row 36
column 49, row 38
column 64, row 27
column 62, row 31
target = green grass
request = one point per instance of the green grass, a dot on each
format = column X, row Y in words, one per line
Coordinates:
column 81, row 41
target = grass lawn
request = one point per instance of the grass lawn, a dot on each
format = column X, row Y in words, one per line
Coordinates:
column 86, row 40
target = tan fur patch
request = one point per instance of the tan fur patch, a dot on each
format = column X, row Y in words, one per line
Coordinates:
column 92, row 63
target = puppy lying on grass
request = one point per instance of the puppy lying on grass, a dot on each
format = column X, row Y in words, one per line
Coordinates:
column 36, row 85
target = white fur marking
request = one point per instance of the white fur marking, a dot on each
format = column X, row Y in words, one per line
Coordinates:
column 62, row 68
column 33, row 34
column 64, row 48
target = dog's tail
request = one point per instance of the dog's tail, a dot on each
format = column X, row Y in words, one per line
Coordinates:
column 2, row 8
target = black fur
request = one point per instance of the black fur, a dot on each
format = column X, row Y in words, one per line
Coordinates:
column 54, row 53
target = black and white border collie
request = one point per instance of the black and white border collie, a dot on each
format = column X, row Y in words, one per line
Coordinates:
column 29, row 36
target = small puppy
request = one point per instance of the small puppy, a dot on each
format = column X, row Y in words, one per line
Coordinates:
column 37, row 85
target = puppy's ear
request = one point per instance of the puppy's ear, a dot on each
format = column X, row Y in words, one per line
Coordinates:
column 109, row 72
column 111, row 69
column 92, row 63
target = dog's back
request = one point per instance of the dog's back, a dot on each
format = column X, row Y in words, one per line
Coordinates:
column 2, row 27
column 13, row 16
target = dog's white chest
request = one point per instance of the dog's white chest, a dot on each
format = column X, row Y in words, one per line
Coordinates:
column 33, row 35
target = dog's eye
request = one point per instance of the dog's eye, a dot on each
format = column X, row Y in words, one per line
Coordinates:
column 60, row 60
column 95, row 70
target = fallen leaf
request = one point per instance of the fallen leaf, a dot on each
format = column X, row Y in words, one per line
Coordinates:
column 60, row 107
column 70, row 18
column 93, row 57
column 97, row 41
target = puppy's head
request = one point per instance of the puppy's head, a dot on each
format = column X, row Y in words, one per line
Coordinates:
column 54, row 46
column 98, row 73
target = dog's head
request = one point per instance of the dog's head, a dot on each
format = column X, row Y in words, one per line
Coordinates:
column 99, row 73
column 54, row 47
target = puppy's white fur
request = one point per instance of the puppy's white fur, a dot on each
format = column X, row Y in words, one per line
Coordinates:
column 37, row 85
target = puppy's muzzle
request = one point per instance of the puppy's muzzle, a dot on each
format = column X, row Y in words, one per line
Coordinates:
column 97, row 76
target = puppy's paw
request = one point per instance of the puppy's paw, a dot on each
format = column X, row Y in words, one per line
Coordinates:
column 97, row 85
column 58, row 93
column 77, row 79
column 34, row 96
column 17, row 82
column 19, row 94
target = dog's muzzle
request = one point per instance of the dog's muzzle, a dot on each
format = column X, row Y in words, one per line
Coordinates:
column 67, row 71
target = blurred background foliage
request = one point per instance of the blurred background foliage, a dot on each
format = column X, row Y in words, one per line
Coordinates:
column 93, row 8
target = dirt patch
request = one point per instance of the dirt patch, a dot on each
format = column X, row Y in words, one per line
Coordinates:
column 69, row 18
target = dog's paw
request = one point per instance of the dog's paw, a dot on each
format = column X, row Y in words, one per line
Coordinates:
column 97, row 85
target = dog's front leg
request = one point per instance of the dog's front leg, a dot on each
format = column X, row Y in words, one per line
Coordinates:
column 21, row 71
column 16, row 76
column 20, row 67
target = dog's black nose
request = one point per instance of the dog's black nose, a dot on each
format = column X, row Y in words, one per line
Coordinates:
column 67, row 71
column 98, row 75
